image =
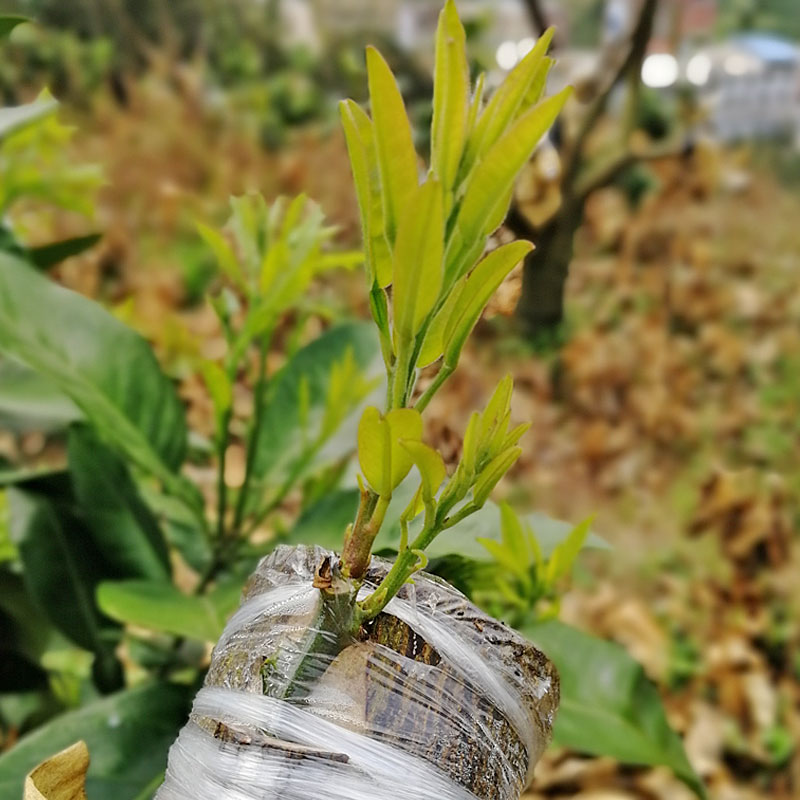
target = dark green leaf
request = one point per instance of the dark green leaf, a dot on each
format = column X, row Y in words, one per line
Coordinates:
column 23, row 636
column 8, row 22
column 284, row 431
column 49, row 255
column 128, row 735
column 123, row 527
column 107, row 369
column 608, row 706
column 160, row 606
column 62, row 566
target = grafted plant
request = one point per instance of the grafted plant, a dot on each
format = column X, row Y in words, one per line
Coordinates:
column 429, row 281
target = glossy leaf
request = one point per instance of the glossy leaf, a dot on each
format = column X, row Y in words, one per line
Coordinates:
column 107, row 369
column 397, row 158
column 417, row 270
column 492, row 179
column 490, row 476
column 608, row 706
column 128, row 735
column 478, row 288
column 507, row 100
column 123, row 528
column 383, row 460
column 360, row 137
column 450, row 96
column 430, row 464
column 158, row 605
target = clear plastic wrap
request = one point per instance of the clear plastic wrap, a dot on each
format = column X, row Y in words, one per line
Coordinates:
column 435, row 700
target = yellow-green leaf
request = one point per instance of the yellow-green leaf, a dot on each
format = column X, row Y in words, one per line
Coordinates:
column 223, row 252
column 566, row 552
column 418, row 260
column 60, row 777
column 496, row 411
column 507, row 100
column 450, row 96
column 476, row 290
column 492, row 474
column 218, row 385
column 397, row 159
column 383, row 460
column 490, row 182
column 430, row 464
column 360, row 137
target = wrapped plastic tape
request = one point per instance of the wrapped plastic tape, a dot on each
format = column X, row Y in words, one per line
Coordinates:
column 436, row 699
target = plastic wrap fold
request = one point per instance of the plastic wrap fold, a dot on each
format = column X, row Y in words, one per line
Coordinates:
column 433, row 700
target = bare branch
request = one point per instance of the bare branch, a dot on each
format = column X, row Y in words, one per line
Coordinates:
column 632, row 64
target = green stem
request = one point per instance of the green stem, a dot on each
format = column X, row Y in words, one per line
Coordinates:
column 442, row 375
column 403, row 568
column 252, row 438
column 400, row 376
column 223, row 435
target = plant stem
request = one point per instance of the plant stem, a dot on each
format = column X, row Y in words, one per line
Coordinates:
column 358, row 543
column 223, row 435
column 445, row 371
column 252, row 438
column 403, row 568
column 400, row 376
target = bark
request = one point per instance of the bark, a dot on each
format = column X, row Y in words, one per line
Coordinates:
column 540, row 309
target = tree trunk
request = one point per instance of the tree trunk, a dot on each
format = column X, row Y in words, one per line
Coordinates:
column 541, row 305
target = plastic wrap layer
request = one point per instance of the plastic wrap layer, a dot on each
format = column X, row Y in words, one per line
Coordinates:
column 435, row 699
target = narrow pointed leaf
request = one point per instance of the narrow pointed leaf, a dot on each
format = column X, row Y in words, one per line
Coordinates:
column 507, row 100
column 492, row 179
column 397, row 158
column 418, row 261
column 450, row 96
column 478, row 287
column 492, row 474
column 360, row 137
column 566, row 552
column 223, row 252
